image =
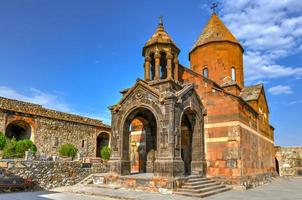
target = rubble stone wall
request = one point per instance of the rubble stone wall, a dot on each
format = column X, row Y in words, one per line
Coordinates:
column 50, row 128
column 51, row 174
column 289, row 161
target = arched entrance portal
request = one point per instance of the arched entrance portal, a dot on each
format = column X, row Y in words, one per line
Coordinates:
column 139, row 144
column 19, row 130
column 101, row 141
column 188, row 122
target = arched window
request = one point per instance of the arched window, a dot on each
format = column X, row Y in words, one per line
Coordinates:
column 233, row 73
column 205, row 72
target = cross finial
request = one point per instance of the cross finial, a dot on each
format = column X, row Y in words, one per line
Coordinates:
column 161, row 20
column 213, row 7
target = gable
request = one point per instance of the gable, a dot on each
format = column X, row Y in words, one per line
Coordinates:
column 138, row 90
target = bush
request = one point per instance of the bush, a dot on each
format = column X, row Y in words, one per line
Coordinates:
column 105, row 153
column 25, row 145
column 2, row 141
column 16, row 149
column 9, row 150
column 68, row 150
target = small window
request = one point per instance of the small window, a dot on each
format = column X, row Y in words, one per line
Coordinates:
column 83, row 143
column 233, row 72
column 205, row 72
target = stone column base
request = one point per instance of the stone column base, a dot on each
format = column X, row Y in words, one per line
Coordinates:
column 169, row 168
column 198, row 167
column 120, row 167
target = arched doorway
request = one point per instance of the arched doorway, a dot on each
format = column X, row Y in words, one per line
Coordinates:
column 102, row 140
column 277, row 166
column 19, row 130
column 187, row 130
column 139, row 140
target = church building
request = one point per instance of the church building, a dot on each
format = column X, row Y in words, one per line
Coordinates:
column 194, row 120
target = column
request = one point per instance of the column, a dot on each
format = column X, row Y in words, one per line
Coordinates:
column 157, row 66
column 176, row 69
column 169, row 65
column 147, row 68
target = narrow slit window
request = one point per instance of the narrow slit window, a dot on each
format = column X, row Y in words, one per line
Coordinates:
column 83, row 143
column 205, row 72
column 233, row 73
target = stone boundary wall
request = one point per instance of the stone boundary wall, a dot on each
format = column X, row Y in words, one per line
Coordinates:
column 289, row 161
column 51, row 174
column 38, row 110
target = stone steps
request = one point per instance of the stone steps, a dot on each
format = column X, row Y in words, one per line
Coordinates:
column 87, row 180
column 196, row 179
column 200, row 182
column 201, row 187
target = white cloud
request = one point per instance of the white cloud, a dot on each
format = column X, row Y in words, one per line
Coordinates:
column 280, row 89
column 295, row 102
column 36, row 96
column 51, row 101
column 104, row 116
column 268, row 30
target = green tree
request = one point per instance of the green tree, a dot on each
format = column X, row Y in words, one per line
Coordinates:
column 16, row 149
column 24, row 145
column 2, row 141
column 9, row 150
column 68, row 150
column 105, row 153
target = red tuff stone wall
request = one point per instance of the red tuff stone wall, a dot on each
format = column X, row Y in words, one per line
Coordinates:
column 219, row 58
column 237, row 146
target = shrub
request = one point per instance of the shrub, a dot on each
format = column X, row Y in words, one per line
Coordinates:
column 16, row 149
column 105, row 153
column 2, row 141
column 9, row 150
column 68, row 150
column 25, row 145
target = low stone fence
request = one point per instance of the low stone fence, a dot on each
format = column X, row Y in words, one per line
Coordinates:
column 289, row 161
column 51, row 174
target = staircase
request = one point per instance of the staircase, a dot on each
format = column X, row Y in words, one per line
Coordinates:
column 198, row 186
column 87, row 180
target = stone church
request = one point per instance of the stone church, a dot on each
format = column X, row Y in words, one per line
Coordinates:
column 195, row 120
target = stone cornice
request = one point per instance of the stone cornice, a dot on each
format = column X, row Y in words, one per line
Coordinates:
column 38, row 110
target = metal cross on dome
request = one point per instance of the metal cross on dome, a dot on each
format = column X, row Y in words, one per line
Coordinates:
column 213, row 7
column 161, row 19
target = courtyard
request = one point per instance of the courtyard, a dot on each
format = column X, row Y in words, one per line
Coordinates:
column 279, row 189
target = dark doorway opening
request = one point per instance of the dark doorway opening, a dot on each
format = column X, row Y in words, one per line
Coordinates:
column 101, row 141
column 18, row 130
column 187, row 125
column 277, row 165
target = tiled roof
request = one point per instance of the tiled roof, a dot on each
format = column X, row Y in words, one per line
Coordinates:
column 251, row 93
column 215, row 30
column 160, row 36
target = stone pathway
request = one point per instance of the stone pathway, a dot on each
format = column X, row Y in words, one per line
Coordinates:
column 49, row 196
column 280, row 189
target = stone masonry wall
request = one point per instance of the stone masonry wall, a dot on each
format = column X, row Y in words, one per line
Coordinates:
column 289, row 161
column 50, row 129
column 51, row 174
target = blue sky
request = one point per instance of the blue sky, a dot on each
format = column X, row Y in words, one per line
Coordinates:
column 76, row 55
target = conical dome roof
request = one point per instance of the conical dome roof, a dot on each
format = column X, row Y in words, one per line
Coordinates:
column 160, row 36
column 215, row 31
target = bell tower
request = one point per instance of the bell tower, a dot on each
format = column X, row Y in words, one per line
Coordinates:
column 218, row 55
column 161, row 56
